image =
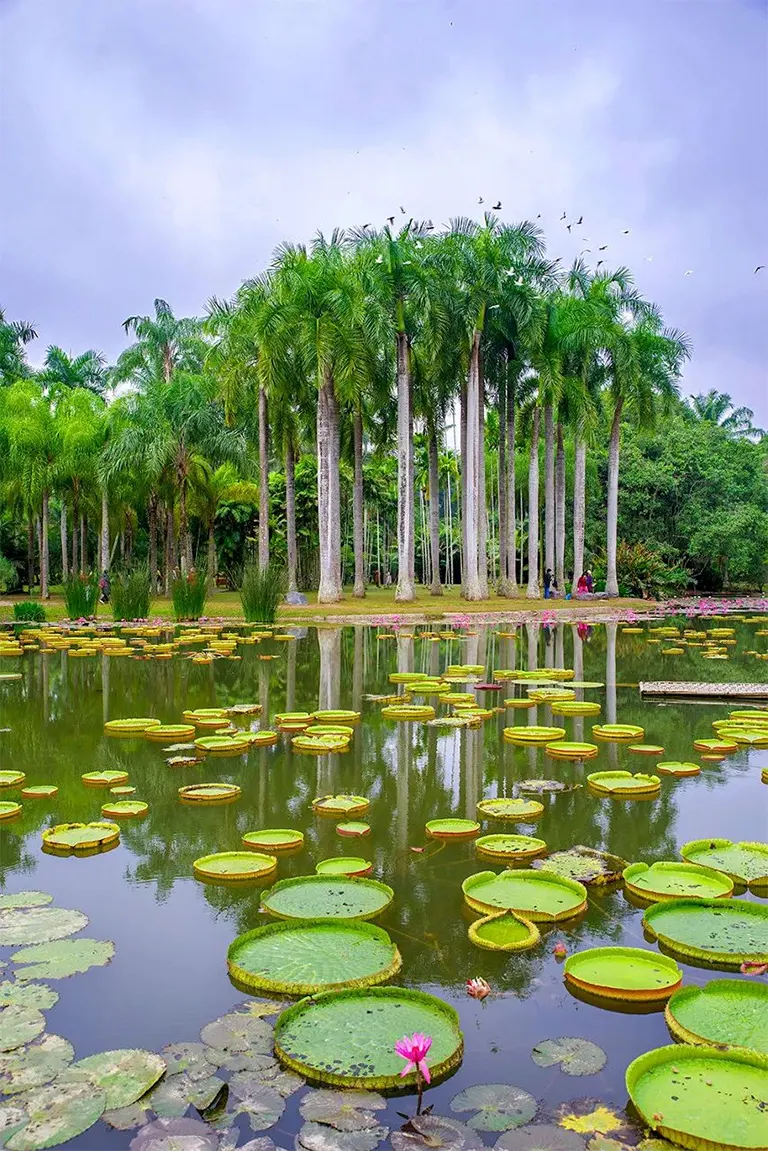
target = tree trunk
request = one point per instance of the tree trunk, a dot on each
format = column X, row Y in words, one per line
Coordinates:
column 44, row 550
column 263, row 481
column 549, row 487
column 83, row 544
column 358, row 497
column 502, row 489
column 579, row 510
column 533, row 510
column 104, row 561
column 63, row 529
column 212, row 561
column 152, row 525
column 406, row 557
column 75, row 565
column 30, row 554
column 433, row 448
column 328, row 503
column 560, row 510
column 471, row 466
column 463, row 486
column 482, row 502
column 184, row 538
column 510, row 496
column 290, row 517
column 612, row 579
column 170, row 562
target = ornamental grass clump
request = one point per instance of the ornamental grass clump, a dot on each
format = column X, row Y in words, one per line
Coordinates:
column 131, row 594
column 189, row 593
column 81, row 593
column 261, row 592
column 29, row 611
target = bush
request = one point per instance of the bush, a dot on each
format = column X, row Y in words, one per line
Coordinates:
column 189, row 593
column 81, row 594
column 8, row 574
column 29, row 611
column 261, row 592
column 130, row 592
column 642, row 571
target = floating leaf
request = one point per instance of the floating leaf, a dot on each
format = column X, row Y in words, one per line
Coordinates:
column 326, row 897
column 170, row 1098
column 536, row 895
column 174, row 1135
column 575, row 1056
column 262, row 1007
column 37, row 995
column 124, row 1075
column 238, row 1032
column 286, row 1083
column 589, row 1118
column 436, row 1132
column 19, row 1025
column 38, row 924
column 25, row 899
column 57, row 1113
column 725, row 1012
column 623, row 973
column 584, row 864
column 263, row 1104
column 316, row 1137
column 344, row 1110
column 672, row 880
column 258, row 1062
column 63, row 958
column 744, row 862
column 126, row 1118
column 35, row 1064
column 723, row 931
column 605, row 1143
column 499, row 1106
column 203, row 1093
column 540, row 1137
column 12, row 1118
column 544, row 786
column 189, row 1058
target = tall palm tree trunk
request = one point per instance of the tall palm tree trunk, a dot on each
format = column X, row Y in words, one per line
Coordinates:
column 510, row 495
column 471, row 466
column 152, row 525
column 549, row 487
column 406, row 550
column 433, row 449
column 560, row 509
column 83, row 544
column 212, row 558
column 63, row 531
column 358, row 497
column 463, row 484
column 104, row 548
column 44, row 550
column 184, row 536
column 329, row 500
column 533, row 510
column 502, row 488
column 170, row 560
column 290, row 517
column 75, row 521
column 482, row 502
column 612, row 579
column 579, row 509
column 263, row 481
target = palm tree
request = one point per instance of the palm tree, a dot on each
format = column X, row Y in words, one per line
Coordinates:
column 61, row 371
column 211, row 487
column 718, row 408
column 14, row 336
column 163, row 344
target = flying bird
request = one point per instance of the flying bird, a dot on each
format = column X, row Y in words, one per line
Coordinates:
column 480, row 200
column 563, row 216
column 648, row 259
column 366, row 226
column 497, row 207
column 580, row 220
column 430, row 226
column 759, row 268
column 402, row 209
column 390, row 220
column 689, row 272
column 599, row 262
column 538, row 217
column 584, row 251
column 602, row 249
column 625, row 232
column 569, row 226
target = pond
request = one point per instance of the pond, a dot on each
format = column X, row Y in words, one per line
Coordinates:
column 168, row 977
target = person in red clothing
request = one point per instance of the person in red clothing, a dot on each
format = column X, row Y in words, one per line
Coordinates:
column 581, row 586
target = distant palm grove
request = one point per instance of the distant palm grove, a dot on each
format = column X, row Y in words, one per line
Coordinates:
column 407, row 405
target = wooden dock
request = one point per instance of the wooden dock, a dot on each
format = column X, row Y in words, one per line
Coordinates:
column 671, row 689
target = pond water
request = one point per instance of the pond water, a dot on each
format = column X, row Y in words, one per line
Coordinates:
column 171, row 932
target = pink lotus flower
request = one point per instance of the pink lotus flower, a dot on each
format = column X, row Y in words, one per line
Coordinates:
column 753, row 968
column 478, row 988
column 414, row 1049
column 559, row 951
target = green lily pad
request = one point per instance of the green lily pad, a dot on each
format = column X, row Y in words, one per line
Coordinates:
column 504, row 931
column 104, row 778
column 11, row 778
column 624, row 973
column 574, row 1056
column 62, row 958
column 725, row 1012
column 263, row 1105
column 544, row 786
column 743, row 862
column 323, row 897
column 37, row 995
column 274, row 839
column 126, row 1118
column 25, row 899
column 81, row 838
column 506, row 847
column 234, row 866
column 344, row 865
column 176, row 1135
column 700, row 1096
column 124, row 1075
column 452, row 828
column 624, row 783
column 725, row 932
column 499, row 1106
column 40, row 791
column 317, row 1137
column 57, row 1113
column 584, row 864
column 536, row 895
column 347, row 1038
column 540, row 1137
column 516, row 809
column 353, row 827
column 125, row 809
column 300, row 958
column 188, row 1058
column 35, row 1064
column 672, row 880
column 237, row 1031
column 341, row 804
column 437, row 1132
column 19, row 1025
column 344, row 1110
column 38, row 924
column 8, row 809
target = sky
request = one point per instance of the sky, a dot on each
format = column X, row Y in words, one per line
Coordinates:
column 165, row 147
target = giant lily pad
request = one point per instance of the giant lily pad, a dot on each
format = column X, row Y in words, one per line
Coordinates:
column 723, row 932
column 11, row 778
column 38, row 924
column 618, row 732
column 300, row 958
column 504, row 931
column 518, row 848
column 744, row 862
column 57, row 1113
column 530, row 734
column 19, row 1025
column 672, row 880
column 452, row 828
column 125, row 809
column 515, row 809
column 353, row 827
column 681, row 770
column 25, row 899
column 625, row 973
column 344, row 865
column 702, row 1097
column 272, row 840
column 104, row 778
column 540, row 1137
column 437, row 1133
column 124, row 1075
column 537, row 895
column 347, row 1038
column 37, row 995
column 62, row 958
column 341, row 805
column 324, row 897
column 9, row 809
column 40, row 791
column 498, row 1106
column 229, row 866
column 584, row 864
column 544, row 786
column 127, row 728
column 81, row 838
column 209, row 793
column 624, row 783
column 723, row 1013
column 344, row 1110
column 35, row 1064
column 564, row 749
column 573, row 1056
column 165, row 732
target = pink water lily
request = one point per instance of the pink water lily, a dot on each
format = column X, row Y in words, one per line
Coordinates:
column 414, row 1049
column 477, row 988
column 753, row 968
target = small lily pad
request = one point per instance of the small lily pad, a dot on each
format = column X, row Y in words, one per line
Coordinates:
column 187, row 1058
column 584, row 864
column 25, row 899
column 62, row 958
column 175, row 1134
column 20, row 925
column 344, row 1110
column 35, row 1064
column 57, row 1113
column 238, row 1032
column 499, row 1106
column 37, row 995
column 19, row 1025
column 589, row 1117
column 438, row 1132
column 126, row 1118
column 124, row 1075
column 262, row 1104
column 574, row 1056
column 317, row 1137
column 540, row 1137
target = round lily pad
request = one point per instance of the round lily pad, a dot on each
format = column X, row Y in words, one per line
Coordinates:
column 222, row 746
column 343, row 1110
column 125, row 809
column 8, row 809
column 564, row 749
column 584, row 864
column 341, row 805
column 702, row 1097
column 176, row 1134
column 325, row 897
column 498, row 1106
column 347, row 1038
column 170, row 732
column 129, row 727
column 514, row 809
column 35, row 1064
column 646, row 749
column 19, row 925
column 717, row 746
column 746, row 863
column 320, row 744
column 435, row 1132
column 62, row 958
column 228, row 866
column 122, row 790
column 408, row 711
column 504, row 931
column 723, row 1013
column 617, row 732
column 544, row 786
column 573, row 1056
column 353, row 828
column 81, row 838
column 537, row 895
column 312, row 955
column 274, row 839
column 337, row 716
column 624, row 783
column 25, row 899
column 37, row 995
column 529, row 733
column 40, row 791
column 624, row 973
column 318, row 1137
column 725, row 932
column 104, row 778
column 540, row 1137
column 19, row 1025
column 236, row 1032
column 344, row 865
column 124, row 1075
column 672, row 880
column 510, row 847
column 56, row 1114
column 209, row 793
column 673, row 767
column 11, row 778
column 452, row 828
column 260, row 1101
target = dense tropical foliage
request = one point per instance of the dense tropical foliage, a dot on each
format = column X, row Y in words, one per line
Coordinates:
column 400, row 405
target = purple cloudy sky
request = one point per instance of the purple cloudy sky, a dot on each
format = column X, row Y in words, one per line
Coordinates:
column 164, row 147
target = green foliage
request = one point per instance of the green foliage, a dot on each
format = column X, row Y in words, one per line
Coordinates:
column 130, row 593
column 644, row 572
column 189, row 593
column 81, row 593
column 8, row 576
column 261, row 592
column 29, row 611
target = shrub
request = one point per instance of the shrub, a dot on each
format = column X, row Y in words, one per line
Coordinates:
column 29, row 611
column 130, row 592
column 8, row 575
column 81, row 593
column 261, row 592
column 189, row 593
column 642, row 571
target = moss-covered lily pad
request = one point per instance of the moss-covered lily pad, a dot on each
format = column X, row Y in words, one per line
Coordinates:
column 347, row 1038
column 518, row 848
column 540, row 1137
column 25, row 899
column 344, row 865
column 544, row 786
column 702, row 1097
column 624, row 783
column 746, row 863
column 300, row 958
column 37, row 995
column 325, row 897
column 672, row 880
column 498, row 1106
column 81, row 838
column 35, row 1064
column 56, row 1114
column 573, row 1056
column 513, row 809
column 344, row 1110
column 19, row 1025
column 452, row 828
column 62, row 958
column 537, row 895
column 723, row 1013
column 723, row 932
column 504, row 931
column 38, row 924
column 124, row 1075
column 274, row 839
column 623, row 973
column 584, row 864
column 234, row 866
